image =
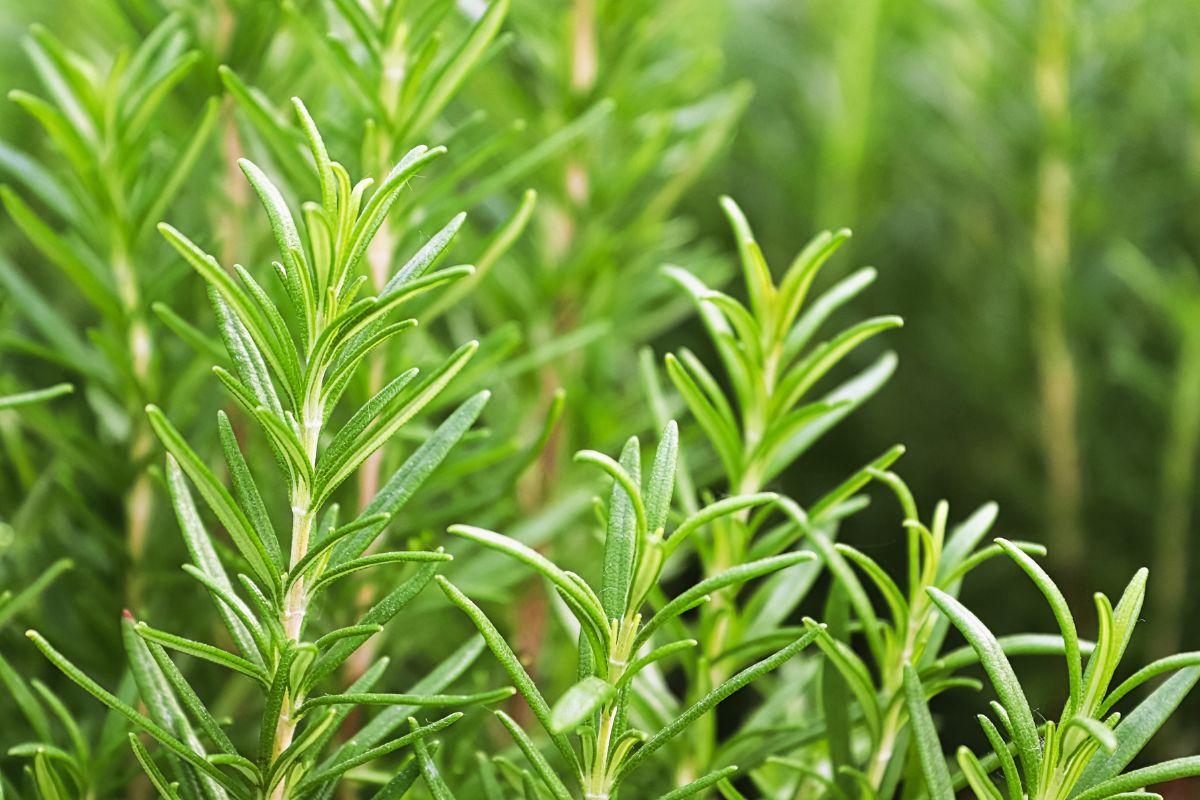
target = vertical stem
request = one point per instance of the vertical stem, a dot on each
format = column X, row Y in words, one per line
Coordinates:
column 295, row 606
column 845, row 141
column 533, row 488
column 368, row 485
column 719, row 618
column 381, row 253
column 597, row 784
column 139, row 505
column 585, row 60
column 883, row 753
column 893, row 683
column 1051, row 265
column 585, row 64
column 1169, row 587
column 229, row 225
column 139, row 499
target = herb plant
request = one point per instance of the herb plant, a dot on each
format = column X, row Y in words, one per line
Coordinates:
column 411, row 597
column 288, row 380
column 99, row 219
column 1086, row 752
column 615, row 644
column 769, row 359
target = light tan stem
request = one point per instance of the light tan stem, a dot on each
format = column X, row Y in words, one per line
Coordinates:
column 139, row 499
column 1168, row 590
column 380, row 255
column 1051, row 267
column 295, row 606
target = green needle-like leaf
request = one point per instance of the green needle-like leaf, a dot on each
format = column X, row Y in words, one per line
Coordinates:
column 36, row 396
column 204, row 556
column 218, row 499
column 128, row 712
column 929, row 747
column 586, row 599
column 202, row 650
column 549, row 778
column 1003, row 679
column 380, row 614
column 1147, row 776
column 1062, row 614
column 621, row 537
column 165, row 788
column 511, row 664
column 701, row 591
column 579, row 702
column 354, row 565
column 706, row 703
column 417, row 733
column 700, row 784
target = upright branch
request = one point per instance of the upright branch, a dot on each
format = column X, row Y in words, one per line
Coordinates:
column 1050, row 274
column 767, row 419
column 618, row 647
column 289, row 368
column 116, row 184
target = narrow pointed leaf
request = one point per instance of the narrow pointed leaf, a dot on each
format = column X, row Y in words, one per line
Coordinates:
column 929, row 747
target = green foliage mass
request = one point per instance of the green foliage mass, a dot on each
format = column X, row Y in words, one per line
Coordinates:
column 589, row 515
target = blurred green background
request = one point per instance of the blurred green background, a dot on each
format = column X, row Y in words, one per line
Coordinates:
column 1023, row 174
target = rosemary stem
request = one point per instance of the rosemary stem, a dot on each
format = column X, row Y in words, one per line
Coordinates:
column 598, row 787
column 295, row 606
column 139, row 499
column 1051, row 248
column 882, row 756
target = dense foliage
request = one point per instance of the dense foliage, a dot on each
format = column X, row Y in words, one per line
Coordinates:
column 603, row 512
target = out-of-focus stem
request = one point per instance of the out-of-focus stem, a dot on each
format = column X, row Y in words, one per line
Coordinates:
column 380, row 255
column 139, row 499
column 381, row 252
column 139, row 506
column 584, row 53
column 532, row 611
column 235, row 195
column 585, row 65
column 1169, row 587
column 846, row 130
column 1051, row 267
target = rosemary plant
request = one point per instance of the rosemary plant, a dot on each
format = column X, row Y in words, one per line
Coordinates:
column 92, row 219
column 288, row 378
column 1084, row 754
column 733, row 622
column 109, row 155
column 616, row 645
column 766, row 424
